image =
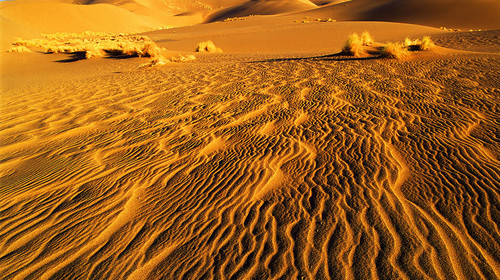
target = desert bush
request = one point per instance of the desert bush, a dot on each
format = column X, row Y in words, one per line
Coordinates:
column 93, row 51
column 355, row 44
column 208, row 46
column 423, row 44
column 358, row 45
column 96, row 44
column 393, row 50
column 366, row 38
column 426, row 44
column 19, row 49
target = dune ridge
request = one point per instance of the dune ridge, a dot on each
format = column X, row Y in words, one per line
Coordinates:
column 442, row 13
column 325, row 169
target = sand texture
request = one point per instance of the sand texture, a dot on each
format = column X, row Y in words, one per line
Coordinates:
column 245, row 139
column 243, row 167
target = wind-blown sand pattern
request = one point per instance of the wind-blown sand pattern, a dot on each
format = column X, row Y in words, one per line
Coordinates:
column 239, row 167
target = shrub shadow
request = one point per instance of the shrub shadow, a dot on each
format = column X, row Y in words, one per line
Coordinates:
column 329, row 57
column 75, row 56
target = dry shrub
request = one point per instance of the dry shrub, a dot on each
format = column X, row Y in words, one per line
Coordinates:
column 366, row 38
column 358, row 45
column 426, row 44
column 393, row 50
column 93, row 51
column 19, row 49
column 355, row 45
column 423, row 44
column 86, row 34
column 208, row 46
column 97, row 44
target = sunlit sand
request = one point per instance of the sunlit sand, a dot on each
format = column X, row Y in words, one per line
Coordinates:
column 247, row 140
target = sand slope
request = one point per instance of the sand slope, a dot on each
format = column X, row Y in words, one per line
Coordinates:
column 262, row 7
column 25, row 20
column 322, row 169
column 448, row 13
column 61, row 17
column 276, row 160
column 283, row 35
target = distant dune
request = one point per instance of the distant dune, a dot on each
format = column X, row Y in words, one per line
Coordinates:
column 448, row 13
column 28, row 20
column 262, row 7
column 282, row 35
column 23, row 20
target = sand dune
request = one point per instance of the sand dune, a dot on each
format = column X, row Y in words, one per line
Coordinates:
column 282, row 35
column 262, row 7
column 276, row 159
column 482, row 41
column 324, row 169
column 25, row 20
column 61, row 17
column 28, row 20
column 448, row 13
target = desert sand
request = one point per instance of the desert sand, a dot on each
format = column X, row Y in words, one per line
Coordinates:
column 279, row 158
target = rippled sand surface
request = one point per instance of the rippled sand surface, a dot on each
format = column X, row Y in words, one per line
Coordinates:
column 311, row 168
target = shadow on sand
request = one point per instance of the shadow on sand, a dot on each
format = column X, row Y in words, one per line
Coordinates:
column 76, row 56
column 329, row 57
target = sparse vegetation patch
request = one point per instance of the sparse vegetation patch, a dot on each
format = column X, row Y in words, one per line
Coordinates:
column 355, row 44
column 208, row 46
column 364, row 45
column 96, row 44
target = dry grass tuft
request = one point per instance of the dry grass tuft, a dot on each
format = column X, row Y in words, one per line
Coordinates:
column 423, row 44
column 366, row 38
column 394, row 50
column 96, row 44
column 234, row 19
column 360, row 45
column 355, row 44
column 19, row 49
column 426, row 44
column 208, row 46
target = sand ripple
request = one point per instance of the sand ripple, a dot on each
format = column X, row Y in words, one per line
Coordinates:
column 309, row 169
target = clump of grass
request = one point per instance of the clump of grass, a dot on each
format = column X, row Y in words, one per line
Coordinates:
column 93, row 51
column 423, row 44
column 426, row 44
column 359, row 45
column 366, row 38
column 19, row 49
column 234, row 19
column 86, row 34
column 208, row 46
column 355, row 44
column 408, row 43
column 96, row 44
column 393, row 50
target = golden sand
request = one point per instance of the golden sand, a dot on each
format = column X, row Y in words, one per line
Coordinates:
column 277, row 159
column 384, row 169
